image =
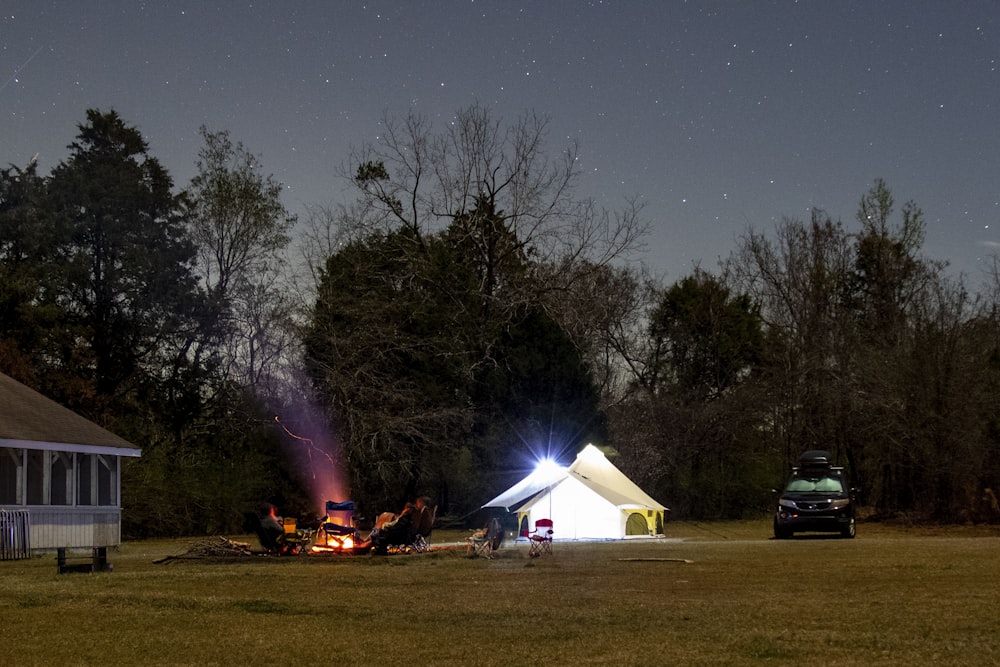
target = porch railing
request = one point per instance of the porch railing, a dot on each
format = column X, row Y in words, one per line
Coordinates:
column 15, row 534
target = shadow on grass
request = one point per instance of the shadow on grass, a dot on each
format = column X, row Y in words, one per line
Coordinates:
column 35, row 601
column 263, row 606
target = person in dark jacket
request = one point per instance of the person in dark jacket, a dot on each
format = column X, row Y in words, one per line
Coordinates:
column 271, row 532
column 396, row 531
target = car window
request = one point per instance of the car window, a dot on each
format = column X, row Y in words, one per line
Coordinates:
column 824, row 484
column 829, row 484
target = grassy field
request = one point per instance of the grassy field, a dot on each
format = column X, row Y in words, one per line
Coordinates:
column 712, row 594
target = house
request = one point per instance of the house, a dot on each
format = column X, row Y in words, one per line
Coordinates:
column 590, row 499
column 60, row 474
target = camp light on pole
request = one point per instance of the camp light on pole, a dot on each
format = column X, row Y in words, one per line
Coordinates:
column 547, row 467
column 551, row 470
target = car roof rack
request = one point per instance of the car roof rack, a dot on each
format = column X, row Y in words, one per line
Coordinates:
column 815, row 459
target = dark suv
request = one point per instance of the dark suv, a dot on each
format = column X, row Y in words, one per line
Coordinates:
column 816, row 498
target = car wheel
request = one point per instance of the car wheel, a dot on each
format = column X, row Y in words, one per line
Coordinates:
column 849, row 531
column 780, row 532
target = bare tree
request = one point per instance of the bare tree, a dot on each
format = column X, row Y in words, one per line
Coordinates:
column 802, row 280
column 889, row 270
column 237, row 219
column 240, row 227
column 506, row 201
column 422, row 181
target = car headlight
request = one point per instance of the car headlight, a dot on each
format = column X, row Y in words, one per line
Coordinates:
column 840, row 504
column 784, row 502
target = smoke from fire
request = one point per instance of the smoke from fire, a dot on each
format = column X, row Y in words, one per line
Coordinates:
column 314, row 451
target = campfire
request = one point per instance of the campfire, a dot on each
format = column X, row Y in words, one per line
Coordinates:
column 336, row 533
column 334, row 538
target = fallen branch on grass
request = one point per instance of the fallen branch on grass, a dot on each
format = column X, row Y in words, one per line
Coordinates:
column 219, row 548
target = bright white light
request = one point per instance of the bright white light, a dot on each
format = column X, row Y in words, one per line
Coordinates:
column 547, row 467
column 591, row 453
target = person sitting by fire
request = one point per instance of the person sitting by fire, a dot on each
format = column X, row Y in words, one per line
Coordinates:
column 391, row 530
column 272, row 532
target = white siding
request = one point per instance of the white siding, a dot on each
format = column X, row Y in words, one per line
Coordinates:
column 84, row 527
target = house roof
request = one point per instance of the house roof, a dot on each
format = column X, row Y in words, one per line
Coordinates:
column 32, row 421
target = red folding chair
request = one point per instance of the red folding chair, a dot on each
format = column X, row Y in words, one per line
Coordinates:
column 541, row 538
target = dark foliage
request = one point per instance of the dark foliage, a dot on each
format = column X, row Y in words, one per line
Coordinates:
column 448, row 357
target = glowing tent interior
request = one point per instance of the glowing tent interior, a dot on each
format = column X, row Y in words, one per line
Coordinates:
column 590, row 499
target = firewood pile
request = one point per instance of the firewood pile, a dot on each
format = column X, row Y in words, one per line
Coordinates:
column 217, row 549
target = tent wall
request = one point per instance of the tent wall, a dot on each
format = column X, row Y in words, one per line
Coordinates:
column 579, row 513
column 576, row 513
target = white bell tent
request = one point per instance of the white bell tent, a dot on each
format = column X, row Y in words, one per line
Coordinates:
column 590, row 499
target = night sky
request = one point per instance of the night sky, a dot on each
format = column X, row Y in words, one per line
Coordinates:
column 717, row 115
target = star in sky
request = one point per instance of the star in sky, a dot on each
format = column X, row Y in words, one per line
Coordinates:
column 717, row 116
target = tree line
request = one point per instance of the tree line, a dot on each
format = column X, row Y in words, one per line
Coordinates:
column 468, row 312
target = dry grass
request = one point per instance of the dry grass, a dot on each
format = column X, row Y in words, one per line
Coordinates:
column 892, row 596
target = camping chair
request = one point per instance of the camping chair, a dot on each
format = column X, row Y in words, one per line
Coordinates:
column 423, row 524
column 340, row 513
column 294, row 538
column 541, row 539
column 487, row 541
column 332, row 535
column 397, row 535
column 336, row 530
